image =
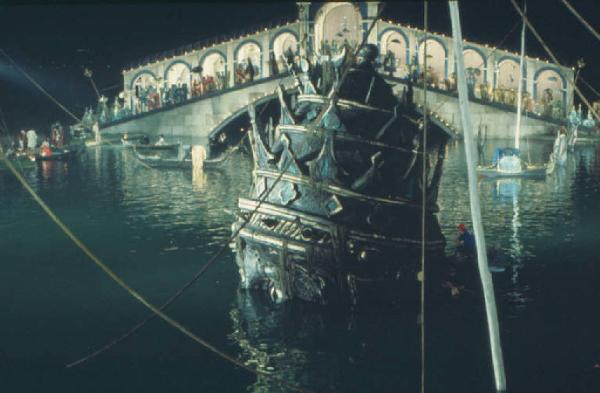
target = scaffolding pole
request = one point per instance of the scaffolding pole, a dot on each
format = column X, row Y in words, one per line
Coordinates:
column 484, row 272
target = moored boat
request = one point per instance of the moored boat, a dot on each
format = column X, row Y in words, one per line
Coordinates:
column 56, row 154
column 507, row 163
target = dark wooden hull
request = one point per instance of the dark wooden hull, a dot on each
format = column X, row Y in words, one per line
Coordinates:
column 342, row 212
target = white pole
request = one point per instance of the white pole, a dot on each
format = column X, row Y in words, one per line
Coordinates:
column 484, row 272
column 520, row 87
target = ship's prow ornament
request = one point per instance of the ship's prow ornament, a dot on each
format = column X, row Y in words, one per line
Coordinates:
column 343, row 222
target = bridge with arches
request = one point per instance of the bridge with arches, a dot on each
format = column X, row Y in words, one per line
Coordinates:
column 196, row 88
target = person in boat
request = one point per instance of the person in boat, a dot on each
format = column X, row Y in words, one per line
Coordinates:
column 22, row 140
column 161, row 141
column 465, row 241
column 144, row 140
column 45, row 149
column 32, row 139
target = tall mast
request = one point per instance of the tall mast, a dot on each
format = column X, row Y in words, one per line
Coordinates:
column 484, row 271
column 520, row 87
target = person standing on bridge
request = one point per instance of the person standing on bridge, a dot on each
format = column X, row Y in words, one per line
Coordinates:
column 249, row 70
column 389, row 63
column 273, row 64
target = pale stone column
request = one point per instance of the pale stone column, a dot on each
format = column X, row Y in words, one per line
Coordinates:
column 450, row 60
column 230, row 63
column 264, row 40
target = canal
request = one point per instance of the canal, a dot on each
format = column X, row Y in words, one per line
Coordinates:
column 157, row 228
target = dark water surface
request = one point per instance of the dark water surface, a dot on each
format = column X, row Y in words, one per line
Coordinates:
column 157, row 228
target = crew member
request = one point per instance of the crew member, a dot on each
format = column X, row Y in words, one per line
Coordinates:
column 465, row 242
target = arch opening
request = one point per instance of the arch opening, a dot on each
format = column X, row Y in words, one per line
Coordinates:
column 550, row 92
column 248, row 63
column 394, row 53
column 214, row 74
column 436, row 60
column 337, row 24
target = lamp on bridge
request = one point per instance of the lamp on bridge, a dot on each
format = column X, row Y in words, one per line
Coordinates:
column 580, row 65
column 88, row 74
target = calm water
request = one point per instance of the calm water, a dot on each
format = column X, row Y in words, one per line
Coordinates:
column 157, row 228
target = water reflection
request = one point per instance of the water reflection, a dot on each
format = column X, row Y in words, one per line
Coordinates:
column 547, row 228
column 323, row 350
column 198, row 179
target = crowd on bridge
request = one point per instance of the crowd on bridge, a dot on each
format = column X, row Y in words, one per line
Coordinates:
column 324, row 67
column 548, row 105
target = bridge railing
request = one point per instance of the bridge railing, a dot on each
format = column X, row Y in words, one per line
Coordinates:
column 109, row 121
column 499, row 98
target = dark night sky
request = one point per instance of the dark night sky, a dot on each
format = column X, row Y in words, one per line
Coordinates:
column 54, row 42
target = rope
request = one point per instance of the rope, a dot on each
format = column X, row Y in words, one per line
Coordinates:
column 245, row 222
column 156, row 311
column 424, row 198
column 578, row 16
column 61, row 106
column 108, row 88
column 589, row 86
column 552, row 56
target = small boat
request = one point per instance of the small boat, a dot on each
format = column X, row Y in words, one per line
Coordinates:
column 57, row 155
column 149, row 149
column 507, row 163
column 183, row 160
column 20, row 161
column 164, row 156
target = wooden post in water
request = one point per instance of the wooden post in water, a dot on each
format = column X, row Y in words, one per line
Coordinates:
column 484, row 272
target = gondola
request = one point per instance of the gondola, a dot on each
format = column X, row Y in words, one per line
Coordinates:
column 57, row 155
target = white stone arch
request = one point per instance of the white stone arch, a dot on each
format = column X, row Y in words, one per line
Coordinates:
column 394, row 41
column 549, row 79
column 250, row 50
column 507, row 74
column 178, row 74
column 213, row 64
column 144, row 80
column 336, row 22
column 283, row 42
column 474, row 60
column 436, row 58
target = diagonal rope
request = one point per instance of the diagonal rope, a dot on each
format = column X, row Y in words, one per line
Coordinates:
column 581, row 19
column 245, row 222
column 156, row 311
column 590, row 87
column 33, row 81
column 552, row 56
